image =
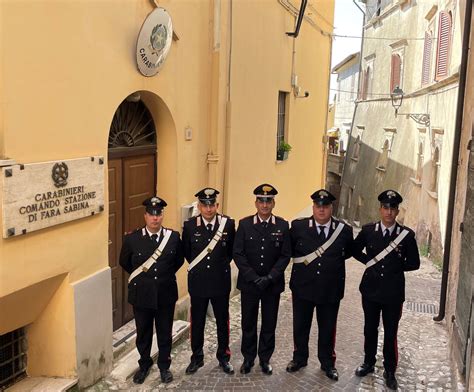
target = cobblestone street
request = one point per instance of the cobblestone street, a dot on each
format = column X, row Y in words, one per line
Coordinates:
column 423, row 356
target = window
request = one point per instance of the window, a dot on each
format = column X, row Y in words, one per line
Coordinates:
column 282, row 126
column 366, row 75
column 436, row 148
column 396, row 69
column 419, row 165
column 396, row 63
column 435, row 171
column 357, row 143
column 426, row 67
column 382, row 162
column 383, row 158
column 12, row 357
column 444, row 45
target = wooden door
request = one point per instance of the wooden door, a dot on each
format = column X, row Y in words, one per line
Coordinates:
column 115, row 239
column 131, row 180
column 138, row 184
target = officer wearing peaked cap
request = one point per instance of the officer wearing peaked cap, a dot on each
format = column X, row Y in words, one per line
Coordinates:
column 208, row 239
column 152, row 255
column 320, row 246
column 390, row 250
column 262, row 252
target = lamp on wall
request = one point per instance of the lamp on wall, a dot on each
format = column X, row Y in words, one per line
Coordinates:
column 397, row 99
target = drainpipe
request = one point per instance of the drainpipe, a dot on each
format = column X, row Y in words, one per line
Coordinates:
column 300, row 19
column 228, row 113
column 454, row 163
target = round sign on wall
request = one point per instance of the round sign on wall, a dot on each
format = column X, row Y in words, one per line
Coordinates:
column 154, row 42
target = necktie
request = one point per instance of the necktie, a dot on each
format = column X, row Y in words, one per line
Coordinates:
column 209, row 227
column 264, row 224
column 322, row 234
column 386, row 233
column 154, row 237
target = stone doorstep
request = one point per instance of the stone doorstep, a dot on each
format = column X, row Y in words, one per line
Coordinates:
column 127, row 365
column 43, row 384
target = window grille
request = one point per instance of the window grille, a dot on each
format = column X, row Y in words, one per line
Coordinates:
column 281, row 117
column 281, row 125
column 12, row 357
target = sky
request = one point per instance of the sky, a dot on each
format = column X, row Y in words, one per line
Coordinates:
column 347, row 21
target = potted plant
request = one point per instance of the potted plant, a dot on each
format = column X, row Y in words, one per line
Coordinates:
column 283, row 149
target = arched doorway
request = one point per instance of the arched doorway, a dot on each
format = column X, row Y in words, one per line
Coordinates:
column 132, row 178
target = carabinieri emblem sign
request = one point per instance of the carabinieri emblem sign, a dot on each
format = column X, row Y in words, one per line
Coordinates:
column 154, row 42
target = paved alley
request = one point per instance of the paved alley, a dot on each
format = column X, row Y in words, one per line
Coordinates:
column 423, row 356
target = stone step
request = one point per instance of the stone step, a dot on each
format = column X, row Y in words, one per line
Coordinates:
column 127, row 364
column 43, row 384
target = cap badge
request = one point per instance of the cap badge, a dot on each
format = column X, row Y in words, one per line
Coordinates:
column 266, row 189
column 208, row 192
column 323, row 193
column 391, row 194
column 154, row 201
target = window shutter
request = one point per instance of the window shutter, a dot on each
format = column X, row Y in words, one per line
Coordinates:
column 396, row 70
column 444, row 43
column 426, row 68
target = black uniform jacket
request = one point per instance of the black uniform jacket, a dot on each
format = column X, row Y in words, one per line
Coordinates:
column 211, row 276
column 158, row 284
column 323, row 280
column 260, row 251
column 384, row 282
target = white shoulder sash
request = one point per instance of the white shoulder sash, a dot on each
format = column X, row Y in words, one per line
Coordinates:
column 320, row 251
column 156, row 254
column 212, row 244
column 388, row 249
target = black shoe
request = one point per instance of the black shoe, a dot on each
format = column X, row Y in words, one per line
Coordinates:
column 166, row 376
column 226, row 367
column 140, row 375
column 364, row 369
column 294, row 366
column 331, row 373
column 194, row 366
column 246, row 367
column 266, row 368
column 390, row 380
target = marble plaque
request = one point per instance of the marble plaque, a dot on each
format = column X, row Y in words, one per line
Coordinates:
column 45, row 194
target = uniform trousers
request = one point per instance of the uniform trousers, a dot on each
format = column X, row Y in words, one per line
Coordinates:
column 250, row 302
column 220, row 306
column 326, row 316
column 162, row 318
column 391, row 314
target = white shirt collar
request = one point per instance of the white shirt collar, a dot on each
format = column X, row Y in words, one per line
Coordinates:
column 264, row 220
column 390, row 229
column 157, row 233
column 212, row 222
column 327, row 225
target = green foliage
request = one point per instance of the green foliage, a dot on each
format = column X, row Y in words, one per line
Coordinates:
column 284, row 147
column 424, row 250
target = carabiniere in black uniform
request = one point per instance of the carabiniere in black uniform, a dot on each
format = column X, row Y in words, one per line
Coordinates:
column 383, row 286
column 153, row 294
column 209, row 280
column 262, row 252
column 318, row 284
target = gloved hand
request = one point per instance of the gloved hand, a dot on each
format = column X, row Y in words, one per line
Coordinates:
column 262, row 282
